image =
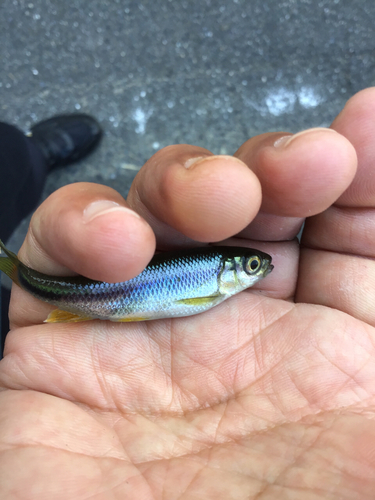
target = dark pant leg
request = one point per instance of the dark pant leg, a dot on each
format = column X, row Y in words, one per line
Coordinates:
column 22, row 176
column 4, row 302
column 23, row 173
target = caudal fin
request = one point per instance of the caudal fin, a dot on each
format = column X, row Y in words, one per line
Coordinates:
column 9, row 264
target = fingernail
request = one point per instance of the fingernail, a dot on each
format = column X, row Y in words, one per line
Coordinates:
column 102, row 207
column 192, row 161
column 285, row 140
column 282, row 141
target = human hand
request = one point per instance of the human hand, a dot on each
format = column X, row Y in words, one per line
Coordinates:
column 269, row 395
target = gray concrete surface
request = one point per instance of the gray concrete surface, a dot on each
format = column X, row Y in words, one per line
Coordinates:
column 158, row 72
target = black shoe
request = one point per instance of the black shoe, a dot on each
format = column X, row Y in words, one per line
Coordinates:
column 65, row 139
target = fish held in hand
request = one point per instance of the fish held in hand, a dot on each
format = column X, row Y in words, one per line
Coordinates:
column 174, row 284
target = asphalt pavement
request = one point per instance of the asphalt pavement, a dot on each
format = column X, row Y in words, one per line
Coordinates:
column 159, row 72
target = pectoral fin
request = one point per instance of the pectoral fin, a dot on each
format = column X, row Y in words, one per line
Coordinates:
column 58, row 316
column 199, row 301
column 128, row 320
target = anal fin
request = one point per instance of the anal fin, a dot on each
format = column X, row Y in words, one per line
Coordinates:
column 58, row 316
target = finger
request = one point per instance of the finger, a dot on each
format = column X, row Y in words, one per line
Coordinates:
column 186, row 193
column 343, row 282
column 337, row 267
column 356, row 122
column 86, row 229
column 89, row 229
column 338, row 261
column 270, row 227
column 300, row 174
column 342, row 230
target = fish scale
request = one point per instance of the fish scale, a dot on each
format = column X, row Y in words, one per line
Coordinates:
column 155, row 290
column 174, row 284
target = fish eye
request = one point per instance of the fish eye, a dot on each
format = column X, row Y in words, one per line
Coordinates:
column 253, row 264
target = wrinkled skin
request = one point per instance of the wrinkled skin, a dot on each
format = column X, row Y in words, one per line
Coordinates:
column 270, row 395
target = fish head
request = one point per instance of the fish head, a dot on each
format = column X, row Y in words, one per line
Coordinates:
column 242, row 268
column 253, row 266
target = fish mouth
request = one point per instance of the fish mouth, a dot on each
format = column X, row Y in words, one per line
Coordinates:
column 268, row 270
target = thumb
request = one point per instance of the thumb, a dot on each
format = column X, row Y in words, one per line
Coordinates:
column 88, row 229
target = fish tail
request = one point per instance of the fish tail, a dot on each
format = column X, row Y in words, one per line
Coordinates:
column 9, row 264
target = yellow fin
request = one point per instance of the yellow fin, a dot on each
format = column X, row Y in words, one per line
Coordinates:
column 10, row 264
column 128, row 320
column 198, row 301
column 58, row 316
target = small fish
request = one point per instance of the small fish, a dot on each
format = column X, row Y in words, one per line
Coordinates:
column 179, row 283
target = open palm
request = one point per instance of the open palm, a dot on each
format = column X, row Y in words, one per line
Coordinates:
column 270, row 395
